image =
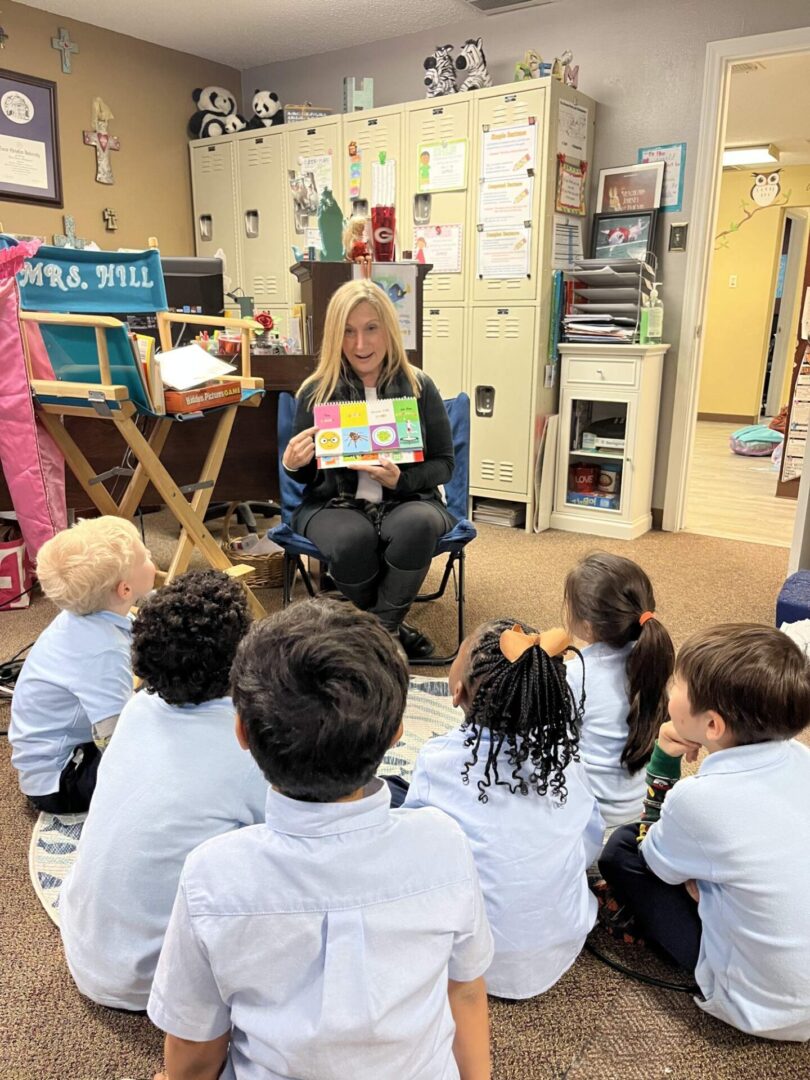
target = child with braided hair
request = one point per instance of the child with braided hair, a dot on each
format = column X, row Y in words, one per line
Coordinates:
column 510, row 776
column 627, row 662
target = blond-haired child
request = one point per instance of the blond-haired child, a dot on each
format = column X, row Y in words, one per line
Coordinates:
column 78, row 675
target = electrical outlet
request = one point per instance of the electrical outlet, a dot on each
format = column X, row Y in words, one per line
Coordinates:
column 732, row 281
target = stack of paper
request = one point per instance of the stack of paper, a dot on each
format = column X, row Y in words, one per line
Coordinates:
column 499, row 512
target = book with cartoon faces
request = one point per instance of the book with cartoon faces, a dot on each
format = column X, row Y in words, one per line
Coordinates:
column 352, row 431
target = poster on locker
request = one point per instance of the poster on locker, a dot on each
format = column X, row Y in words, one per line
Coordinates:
column 442, row 166
column 503, row 203
column 439, row 245
column 320, row 165
column 509, row 152
column 504, row 253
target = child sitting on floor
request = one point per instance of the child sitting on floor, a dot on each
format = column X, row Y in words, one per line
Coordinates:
column 77, row 677
column 627, row 663
column 173, row 776
column 341, row 938
column 510, row 777
column 734, row 836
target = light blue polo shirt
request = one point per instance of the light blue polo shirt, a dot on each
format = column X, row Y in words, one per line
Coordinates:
column 323, row 940
column 740, row 827
column 171, row 777
column 604, row 730
column 531, row 852
column 77, row 674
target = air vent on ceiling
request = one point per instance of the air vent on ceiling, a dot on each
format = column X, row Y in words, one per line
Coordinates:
column 746, row 67
column 498, row 7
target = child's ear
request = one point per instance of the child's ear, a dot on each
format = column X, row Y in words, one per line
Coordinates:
column 123, row 590
column 716, row 727
column 398, row 735
column 458, row 692
column 241, row 734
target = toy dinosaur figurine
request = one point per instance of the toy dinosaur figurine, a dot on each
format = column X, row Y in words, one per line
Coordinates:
column 330, row 225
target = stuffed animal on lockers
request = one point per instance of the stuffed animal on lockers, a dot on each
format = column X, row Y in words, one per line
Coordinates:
column 474, row 65
column 216, row 113
column 440, row 72
column 267, row 110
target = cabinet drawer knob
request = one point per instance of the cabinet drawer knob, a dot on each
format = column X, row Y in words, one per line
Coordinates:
column 600, row 373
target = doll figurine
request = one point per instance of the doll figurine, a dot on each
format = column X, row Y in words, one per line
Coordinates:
column 355, row 245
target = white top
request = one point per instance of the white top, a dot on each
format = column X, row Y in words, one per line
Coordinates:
column 77, row 674
column 367, row 487
column 531, row 852
column 740, row 828
column 325, row 940
column 604, row 730
column 171, row 777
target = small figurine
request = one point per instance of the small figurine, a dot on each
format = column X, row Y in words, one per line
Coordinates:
column 560, row 64
column 330, row 224
column 571, row 76
column 529, row 67
column 355, row 245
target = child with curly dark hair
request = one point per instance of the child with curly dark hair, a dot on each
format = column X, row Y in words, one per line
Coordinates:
column 511, row 778
column 173, row 776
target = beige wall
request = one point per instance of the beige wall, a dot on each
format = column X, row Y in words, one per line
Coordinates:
column 738, row 319
column 149, row 91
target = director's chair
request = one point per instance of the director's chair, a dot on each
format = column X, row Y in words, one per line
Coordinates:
column 96, row 375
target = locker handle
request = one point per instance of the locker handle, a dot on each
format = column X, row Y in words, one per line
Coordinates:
column 206, row 226
column 485, row 401
column 421, row 208
column 251, row 224
column 600, row 373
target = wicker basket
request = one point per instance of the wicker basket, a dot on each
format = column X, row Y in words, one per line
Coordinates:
column 268, row 570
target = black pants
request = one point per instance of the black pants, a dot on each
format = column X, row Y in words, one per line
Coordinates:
column 664, row 914
column 76, row 784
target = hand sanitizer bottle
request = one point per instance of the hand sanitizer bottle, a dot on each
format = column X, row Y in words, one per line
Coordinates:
column 652, row 327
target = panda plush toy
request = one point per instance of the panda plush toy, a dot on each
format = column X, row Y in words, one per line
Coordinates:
column 267, row 110
column 216, row 113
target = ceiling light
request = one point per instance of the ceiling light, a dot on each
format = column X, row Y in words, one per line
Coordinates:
column 750, row 155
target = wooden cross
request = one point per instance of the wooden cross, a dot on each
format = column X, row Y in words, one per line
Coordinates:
column 66, row 47
column 69, row 237
column 104, row 144
column 110, row 219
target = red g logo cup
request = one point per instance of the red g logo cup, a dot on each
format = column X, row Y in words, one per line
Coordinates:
column 383, row 224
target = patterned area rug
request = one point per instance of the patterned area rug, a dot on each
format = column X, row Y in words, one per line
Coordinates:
column 54, row 840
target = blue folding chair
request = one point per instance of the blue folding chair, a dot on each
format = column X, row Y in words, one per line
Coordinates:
column 453, row 543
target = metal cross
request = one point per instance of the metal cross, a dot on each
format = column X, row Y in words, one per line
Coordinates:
column 110, row 219
column 69, row 238
column 66, row 47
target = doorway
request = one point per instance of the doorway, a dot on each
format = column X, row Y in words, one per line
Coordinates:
column 742, row 310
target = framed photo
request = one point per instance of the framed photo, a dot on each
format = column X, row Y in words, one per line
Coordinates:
column 631, row 187
column 29, row 140
column 623, row 236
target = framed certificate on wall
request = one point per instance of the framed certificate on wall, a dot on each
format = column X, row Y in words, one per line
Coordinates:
column 29, row 140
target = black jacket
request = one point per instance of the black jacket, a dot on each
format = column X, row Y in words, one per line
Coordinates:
column 418, row 479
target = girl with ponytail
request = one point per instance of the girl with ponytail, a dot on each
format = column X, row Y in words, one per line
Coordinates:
column 628, row 661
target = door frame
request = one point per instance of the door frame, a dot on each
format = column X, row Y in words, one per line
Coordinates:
column 785, row 346
column 720, row 56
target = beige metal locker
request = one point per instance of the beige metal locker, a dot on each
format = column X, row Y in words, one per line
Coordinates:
column 501, row 372
column 375, row 131
column 266, row 255
column 215, row 198
column 497, row 109
column 443, row 347
column 433, row 121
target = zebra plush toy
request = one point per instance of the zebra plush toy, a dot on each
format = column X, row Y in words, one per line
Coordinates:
column 440, row 72
column 474, row 65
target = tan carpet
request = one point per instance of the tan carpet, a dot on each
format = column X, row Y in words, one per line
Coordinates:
column 594, row 1025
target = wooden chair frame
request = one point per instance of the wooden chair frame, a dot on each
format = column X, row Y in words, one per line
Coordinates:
column 189, row 513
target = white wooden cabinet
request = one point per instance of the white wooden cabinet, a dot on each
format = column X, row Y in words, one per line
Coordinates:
column 600, row 384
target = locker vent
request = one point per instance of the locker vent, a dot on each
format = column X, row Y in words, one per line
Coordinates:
column 264, row 286
column 487, row 469
column 427, row 329
column 506, row 472
column 500, row 285
column 442, row 328
column 259, row 155
column 437, row 127
column 498, row 328
column 212, row 163
column 513, row 112
column 441, row 283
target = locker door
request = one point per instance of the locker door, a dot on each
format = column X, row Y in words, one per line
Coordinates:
column 501, row 402
column 213, row 185
column 443, row 348
column 310, row 138
column 432, row 122
column 374, row 131
column 266, row 256
column 499, row 110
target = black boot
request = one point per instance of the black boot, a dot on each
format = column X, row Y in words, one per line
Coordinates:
column 362, row 594
column 417, row 646
column 396, row 591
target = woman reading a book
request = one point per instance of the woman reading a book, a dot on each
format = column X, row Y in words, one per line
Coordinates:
column 376, row 522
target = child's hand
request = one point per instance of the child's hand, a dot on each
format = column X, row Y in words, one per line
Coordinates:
column 675, row 745
column 691, row 887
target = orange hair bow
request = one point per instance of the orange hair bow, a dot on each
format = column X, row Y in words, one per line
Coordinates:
column 515, row 642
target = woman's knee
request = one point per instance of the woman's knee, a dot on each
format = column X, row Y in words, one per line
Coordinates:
column 348, row 541
column 412, row 535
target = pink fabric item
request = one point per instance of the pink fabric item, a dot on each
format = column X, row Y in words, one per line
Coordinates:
column 32, row 463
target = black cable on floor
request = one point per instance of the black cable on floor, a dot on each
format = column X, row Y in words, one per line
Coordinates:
column 639, row 976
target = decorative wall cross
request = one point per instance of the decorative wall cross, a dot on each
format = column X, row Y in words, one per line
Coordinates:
column 69, row 237
column 66, row 47
column 110, row 219
column 103, row 142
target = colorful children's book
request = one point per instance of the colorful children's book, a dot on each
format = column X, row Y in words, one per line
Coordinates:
column 352, row 431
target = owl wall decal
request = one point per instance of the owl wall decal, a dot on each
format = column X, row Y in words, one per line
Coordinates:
column 766, row 187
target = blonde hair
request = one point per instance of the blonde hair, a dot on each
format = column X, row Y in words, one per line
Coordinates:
column 355, row 230
column 320, row 386
column 79, row 568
